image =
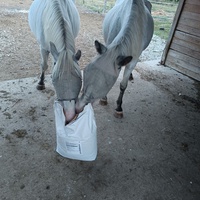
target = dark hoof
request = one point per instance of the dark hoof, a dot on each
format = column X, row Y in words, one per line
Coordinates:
column 103, row 102
column 118, row 114
column 40, row 87
column 131, row 77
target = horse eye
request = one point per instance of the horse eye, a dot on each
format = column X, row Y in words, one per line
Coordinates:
column 54, row 63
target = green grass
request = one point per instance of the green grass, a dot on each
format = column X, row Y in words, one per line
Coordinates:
column 96, row 5
column 163, row 13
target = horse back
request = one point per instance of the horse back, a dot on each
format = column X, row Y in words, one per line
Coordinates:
column 54, row 21
column 133, row 21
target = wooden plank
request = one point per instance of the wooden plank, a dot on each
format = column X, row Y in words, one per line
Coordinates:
column 189, row 15
column 182, row 64
column 195, row 2
column 179, row 68
column 185, row 50
column 182, row 51
column 194, row 40
column 188, row 29
column 192, row 8
column 191, row 22
column 187, row 44
column 192, row 63
column 173, row 28
column 186, row 58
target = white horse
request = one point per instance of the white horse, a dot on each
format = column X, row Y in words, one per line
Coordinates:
column 128, row 29
column 55, row 24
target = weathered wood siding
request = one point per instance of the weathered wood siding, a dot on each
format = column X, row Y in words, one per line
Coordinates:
column 182, row 51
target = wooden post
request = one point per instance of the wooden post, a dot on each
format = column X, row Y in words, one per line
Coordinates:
column 172, row 31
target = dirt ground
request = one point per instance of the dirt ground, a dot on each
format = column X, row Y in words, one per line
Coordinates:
column 25, row 56
column 153, row 153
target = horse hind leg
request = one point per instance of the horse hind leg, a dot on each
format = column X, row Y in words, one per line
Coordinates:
column 103, row 101
column 44, row 67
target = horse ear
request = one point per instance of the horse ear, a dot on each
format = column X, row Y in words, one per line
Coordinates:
column 78, row 55
column 123, row 60
column 54, row 51
column 100, row 47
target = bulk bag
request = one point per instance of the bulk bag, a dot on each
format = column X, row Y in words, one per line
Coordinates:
column 78, row 139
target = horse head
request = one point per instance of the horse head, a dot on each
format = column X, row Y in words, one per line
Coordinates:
column 67, row 79
column 100, row 75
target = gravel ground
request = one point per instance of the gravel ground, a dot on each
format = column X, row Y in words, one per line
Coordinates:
column 153, row 153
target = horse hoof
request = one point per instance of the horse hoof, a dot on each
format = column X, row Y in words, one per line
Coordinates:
column 131, row 78
column 103, row 102
column 40, row 87
column 118, row 114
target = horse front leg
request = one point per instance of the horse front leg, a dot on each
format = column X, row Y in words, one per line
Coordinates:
column 123, row 85
column 119, row 110
column 104, row 101
column 44, row 67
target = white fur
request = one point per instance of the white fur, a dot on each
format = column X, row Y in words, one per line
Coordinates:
column 127, row 30
column 57, row 22
column 45, row 23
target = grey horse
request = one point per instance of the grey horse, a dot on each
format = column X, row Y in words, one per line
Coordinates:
column 55, row 24
column 128, row 29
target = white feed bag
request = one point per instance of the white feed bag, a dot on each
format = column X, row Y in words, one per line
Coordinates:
column 78, row 139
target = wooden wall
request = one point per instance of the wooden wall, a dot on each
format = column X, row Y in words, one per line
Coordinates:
column 182, row 51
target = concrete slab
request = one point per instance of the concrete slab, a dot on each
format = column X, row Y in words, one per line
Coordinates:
column 152, row 153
